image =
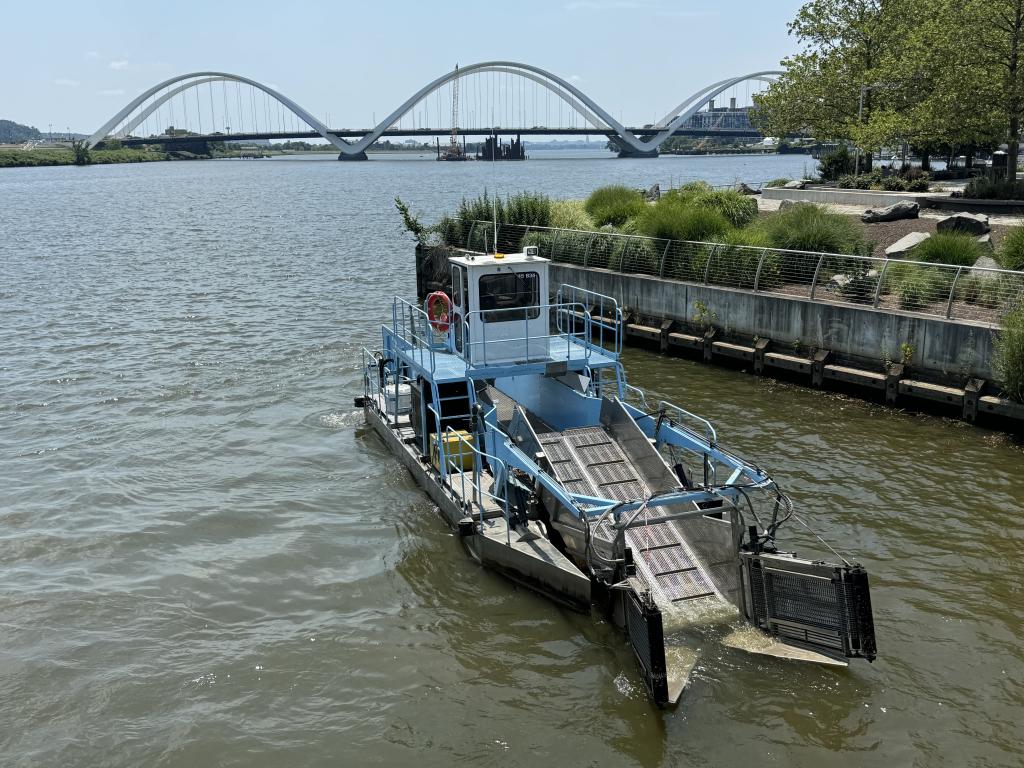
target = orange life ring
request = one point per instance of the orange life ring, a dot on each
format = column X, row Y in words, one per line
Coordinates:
column 439, row 311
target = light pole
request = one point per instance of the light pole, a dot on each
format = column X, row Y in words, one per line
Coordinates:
column 860, row 114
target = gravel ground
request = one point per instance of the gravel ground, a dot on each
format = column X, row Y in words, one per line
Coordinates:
column 887, row 233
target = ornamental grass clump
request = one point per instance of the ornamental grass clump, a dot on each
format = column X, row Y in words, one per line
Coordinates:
column 917, row 286
column 808, row 227
column 948, row 248
column 688, row 191
column 1011, row 252
column 673, row 219
column 614, row 205
column 739, row 210
column 1009, row 358
column 570, row 214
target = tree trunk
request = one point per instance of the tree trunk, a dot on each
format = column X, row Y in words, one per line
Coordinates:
column 1013, row 148
column 926, row 161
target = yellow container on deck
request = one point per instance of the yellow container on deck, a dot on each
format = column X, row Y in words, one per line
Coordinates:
column 454, row 442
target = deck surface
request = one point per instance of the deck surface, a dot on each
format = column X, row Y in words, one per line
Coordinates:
column 452, row 367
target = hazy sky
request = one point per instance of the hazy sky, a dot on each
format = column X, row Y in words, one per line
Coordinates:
column 77, row 63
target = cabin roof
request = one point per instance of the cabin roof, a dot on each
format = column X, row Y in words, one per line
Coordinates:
column 496, row 260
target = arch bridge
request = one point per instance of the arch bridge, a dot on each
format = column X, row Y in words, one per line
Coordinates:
column 489, row 88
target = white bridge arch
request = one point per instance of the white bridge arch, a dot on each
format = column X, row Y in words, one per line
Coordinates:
column 587, row 108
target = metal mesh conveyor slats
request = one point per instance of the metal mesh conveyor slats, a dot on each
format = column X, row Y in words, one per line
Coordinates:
column 660, row 551
column 589, row 461
column 504, row 405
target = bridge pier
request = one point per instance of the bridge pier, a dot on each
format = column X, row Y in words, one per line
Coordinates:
column 630, row 152
column 627, row 150
column 354, row 156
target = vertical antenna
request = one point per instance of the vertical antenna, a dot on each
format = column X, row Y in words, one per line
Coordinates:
column 494, row 202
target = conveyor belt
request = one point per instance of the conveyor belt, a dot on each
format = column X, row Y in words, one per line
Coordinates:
column 670, row 563
column 589, row 461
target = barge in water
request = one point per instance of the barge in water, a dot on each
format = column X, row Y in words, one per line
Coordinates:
column 513, row 412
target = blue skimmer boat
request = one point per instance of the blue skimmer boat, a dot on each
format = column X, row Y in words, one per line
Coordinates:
column 511, row 409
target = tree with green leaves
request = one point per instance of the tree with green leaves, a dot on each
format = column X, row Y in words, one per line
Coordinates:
column 999, row 25
column 844, row 42
column 933, row 73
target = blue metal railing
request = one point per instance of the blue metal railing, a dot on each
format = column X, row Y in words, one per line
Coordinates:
column 388, row 386
column 604, row 314
column 682, row 417
column 411, row 327
column 450, row 462
column 529, row 345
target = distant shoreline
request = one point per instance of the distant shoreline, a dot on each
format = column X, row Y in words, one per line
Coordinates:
column 45, row 157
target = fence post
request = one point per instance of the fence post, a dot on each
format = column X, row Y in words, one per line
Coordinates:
column 814, row 280
column 878, row 287
column 952, row 293
column 497, row 233
column 469, row 237
column 664, row 258
column 586, row 253
column 757, row 274
column 554, row 244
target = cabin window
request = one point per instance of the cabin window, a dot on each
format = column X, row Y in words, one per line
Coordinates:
column 457, row 286
column 509, row 296
column 457, row 330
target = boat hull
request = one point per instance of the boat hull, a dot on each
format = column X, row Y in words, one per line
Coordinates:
column 529, row 560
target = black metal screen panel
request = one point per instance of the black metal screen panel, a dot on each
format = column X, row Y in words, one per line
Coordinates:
column 821, row 606
column 643, row 624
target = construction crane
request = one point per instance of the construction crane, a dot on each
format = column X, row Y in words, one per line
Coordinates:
column 454, row 151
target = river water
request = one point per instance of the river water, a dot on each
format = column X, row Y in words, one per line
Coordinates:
column 207, row 559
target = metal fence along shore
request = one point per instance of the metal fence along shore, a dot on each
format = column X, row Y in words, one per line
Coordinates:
column 971, row 294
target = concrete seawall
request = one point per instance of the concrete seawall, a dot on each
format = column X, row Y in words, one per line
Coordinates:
column 946, row 349
column 907, row 359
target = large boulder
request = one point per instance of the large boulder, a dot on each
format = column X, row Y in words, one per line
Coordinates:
column 743, row 189
column 653, row 194
column 967, row 223
column 795, row 184
column 986, row 240
column 902, row 247
column 903, row 209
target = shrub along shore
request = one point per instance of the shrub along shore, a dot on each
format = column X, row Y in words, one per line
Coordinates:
column 19, row 158
column 697, row 213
